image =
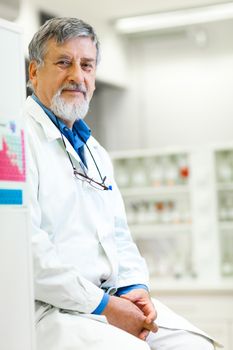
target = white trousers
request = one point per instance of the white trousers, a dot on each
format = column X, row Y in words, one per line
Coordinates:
column 60, row 330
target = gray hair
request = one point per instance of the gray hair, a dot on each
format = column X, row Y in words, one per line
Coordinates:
column 60, row 29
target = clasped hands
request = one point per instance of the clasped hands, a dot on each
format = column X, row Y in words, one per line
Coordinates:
column 133, row 312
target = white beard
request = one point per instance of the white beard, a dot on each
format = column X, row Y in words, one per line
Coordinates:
column 68, row 111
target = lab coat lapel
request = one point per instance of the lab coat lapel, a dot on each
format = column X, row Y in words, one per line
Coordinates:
column 51, row 131
column 91, row 167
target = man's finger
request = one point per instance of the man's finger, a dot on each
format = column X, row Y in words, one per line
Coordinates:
column 151, row 327
column 144, row 334
column 151, row 316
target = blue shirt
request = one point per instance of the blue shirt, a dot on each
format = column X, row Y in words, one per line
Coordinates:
column 78, row 136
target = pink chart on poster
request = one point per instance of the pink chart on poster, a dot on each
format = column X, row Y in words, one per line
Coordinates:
column 12, row 153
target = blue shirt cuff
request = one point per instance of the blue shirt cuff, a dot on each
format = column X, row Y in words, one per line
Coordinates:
column 102, row 305
column 127, row 289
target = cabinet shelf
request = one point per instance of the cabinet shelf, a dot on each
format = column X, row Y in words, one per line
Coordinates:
column 146, row 231
column 162, row 191
column 226, row 225
column 225, row 186
column 187, row 286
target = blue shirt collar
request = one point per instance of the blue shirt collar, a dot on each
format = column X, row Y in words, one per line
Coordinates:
column 80, row 132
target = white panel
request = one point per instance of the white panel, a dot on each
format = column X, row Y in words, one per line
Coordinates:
column 11, row 71
column 205, row 241
column 16, row 299
column 16, row 293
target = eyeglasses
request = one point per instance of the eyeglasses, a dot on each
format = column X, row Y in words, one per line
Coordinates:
column 92, row 182
column 83, row 176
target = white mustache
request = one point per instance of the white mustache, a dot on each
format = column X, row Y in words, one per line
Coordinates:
column 74, row 87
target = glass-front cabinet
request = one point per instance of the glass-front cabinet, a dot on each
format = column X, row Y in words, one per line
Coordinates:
column 224, row 189
column 179, row 204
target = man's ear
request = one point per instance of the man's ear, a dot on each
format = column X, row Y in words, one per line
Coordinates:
column 33, row 70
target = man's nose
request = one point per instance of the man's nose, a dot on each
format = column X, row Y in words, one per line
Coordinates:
column 76, row 73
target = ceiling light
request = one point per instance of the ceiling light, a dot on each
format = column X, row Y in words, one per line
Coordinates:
column 173, row 19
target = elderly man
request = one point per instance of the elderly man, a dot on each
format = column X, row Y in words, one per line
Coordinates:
column 91, row 284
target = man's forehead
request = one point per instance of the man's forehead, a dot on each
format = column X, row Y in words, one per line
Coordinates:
column 71, row 42
column 66, row 47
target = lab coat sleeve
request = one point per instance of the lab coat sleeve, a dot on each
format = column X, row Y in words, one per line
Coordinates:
column 55, row 283
column 131, row 265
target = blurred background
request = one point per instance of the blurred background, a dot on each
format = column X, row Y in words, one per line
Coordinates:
column 163, row 107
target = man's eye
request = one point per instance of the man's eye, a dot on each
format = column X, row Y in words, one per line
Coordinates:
column 87, row 66
column 63, row 63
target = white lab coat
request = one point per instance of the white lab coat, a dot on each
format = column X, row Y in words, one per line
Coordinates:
column 80, row 235
column 80, row 239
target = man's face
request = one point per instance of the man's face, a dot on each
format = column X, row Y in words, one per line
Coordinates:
column 69, row 67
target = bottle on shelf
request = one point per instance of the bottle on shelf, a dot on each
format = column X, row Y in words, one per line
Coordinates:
column 222, row 211
column 159, row 209
column 142, row 212
column 170, row 173
column 225, row 206
column 138, row 173
column 122, row 173
column 151, row 216
column 227, row 253
column 183, row 266
column 131, row 210
column 156, row 172
column 183, row 168
column 184, row 210
column 224, row 167
column 229, row 206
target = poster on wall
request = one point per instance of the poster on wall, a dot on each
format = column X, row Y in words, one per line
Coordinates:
column 12, row 138
column 12, row 162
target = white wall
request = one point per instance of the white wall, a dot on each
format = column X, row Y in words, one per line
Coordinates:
column 181, row 93
column 114, row 66
column 28, row 20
